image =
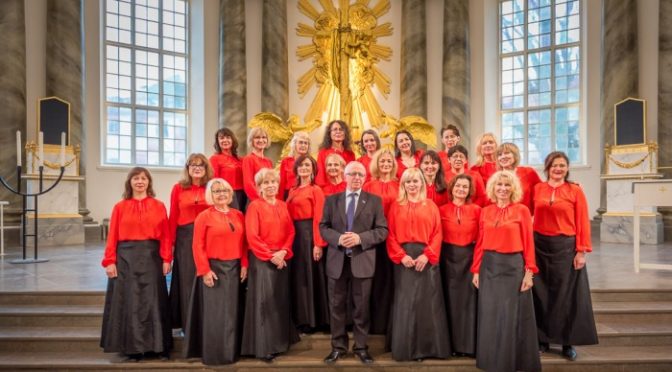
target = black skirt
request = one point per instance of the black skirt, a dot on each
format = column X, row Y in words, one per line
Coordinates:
column 460, row 296
column 418, row 327
column 212, row 327
column 562, row 301
column 136, row 318
column 382, row 291
column 184, row 272
column 308, row 280
column 507, row 331
column 268, row 327
column 239, row 201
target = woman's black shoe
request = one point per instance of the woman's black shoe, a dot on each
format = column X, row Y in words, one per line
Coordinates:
column 569, row 352
column 134, row 357
column 268, row 358
column 543, row 347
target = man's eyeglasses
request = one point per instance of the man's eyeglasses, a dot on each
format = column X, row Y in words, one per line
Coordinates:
column 356, row 174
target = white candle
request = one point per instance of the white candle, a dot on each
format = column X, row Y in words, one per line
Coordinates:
column 325, row 116
column 365, row 120
column 41, row 149
column 62, row 149
column 18, row 148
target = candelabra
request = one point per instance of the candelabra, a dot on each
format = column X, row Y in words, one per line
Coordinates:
column 24, row 214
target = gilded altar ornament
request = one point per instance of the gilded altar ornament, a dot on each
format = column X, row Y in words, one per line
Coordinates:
column 420, row 129
column 282, row 131
column 345, row 52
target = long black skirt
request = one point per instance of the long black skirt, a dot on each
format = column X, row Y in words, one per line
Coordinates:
column 239, row 201
column 460, row 296
column 310, row 304
column 136, row 318
column 382, row 291
column 268, row 327
column 562, row 302
column 184, row 272
column 212, row 327
column 418, row 327
column 507, row 330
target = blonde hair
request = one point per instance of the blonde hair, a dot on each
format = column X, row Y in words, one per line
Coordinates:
column 516, row 189
column 338, row 157
column 509, row 147
column 407, row 175
column 186, row 181
column 264, row 174
column 375, row 170
column 479, row 155
column 254, row 132
column 208, row 190
column 295, row 138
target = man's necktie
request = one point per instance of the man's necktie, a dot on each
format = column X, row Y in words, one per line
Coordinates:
column 350, row 216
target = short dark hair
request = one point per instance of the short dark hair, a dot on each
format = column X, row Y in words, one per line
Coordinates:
column 452, row 127
column 226, row 132
column 128, row 190
column 460, row 149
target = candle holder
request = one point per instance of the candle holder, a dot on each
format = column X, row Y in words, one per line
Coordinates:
column 24, row 214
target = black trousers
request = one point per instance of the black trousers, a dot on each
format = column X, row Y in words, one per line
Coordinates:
column 338, row 304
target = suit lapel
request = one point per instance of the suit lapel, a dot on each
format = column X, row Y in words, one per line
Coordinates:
column 340, row 209
column 361, row 204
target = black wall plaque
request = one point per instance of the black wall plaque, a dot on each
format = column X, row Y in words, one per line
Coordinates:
column 54, row 118
column 630, row 122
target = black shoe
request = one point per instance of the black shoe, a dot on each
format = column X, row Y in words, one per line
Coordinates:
column 569, row 352
column 334, row 356
column 364, row 356
column 134, row 357
column 268, row 358
column 165, row 355
column 543, row 347
column 419, row 360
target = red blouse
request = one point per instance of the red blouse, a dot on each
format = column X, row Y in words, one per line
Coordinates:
column 486, row 170
column 307, row 202
column 287, row 176
column 388, row 192
column 438, row 198
column 479, row 197
column 269, row 228
column 219, row 235
column 562, row 210
column 321, row 178
column 460, row 224
column 414, row 223
column 134, row 219
column 505, row 230
column 528, row 180
column 331, row 188
column 185, row 205
column 251, row 165
column 366, row 162
column 229, row 168
column 400, row 164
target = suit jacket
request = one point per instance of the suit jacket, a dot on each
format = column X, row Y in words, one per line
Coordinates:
column 370, row 224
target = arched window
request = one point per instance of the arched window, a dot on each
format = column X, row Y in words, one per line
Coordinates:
column 145, row 80
column 540, row 77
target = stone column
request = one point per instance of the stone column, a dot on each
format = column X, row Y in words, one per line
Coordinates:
column 274, row 74
column 65, row 73
column 620, row 68
column 456, row 67
column 232, row 70
column 12, row 96
column 665, row 102
column 413, row 58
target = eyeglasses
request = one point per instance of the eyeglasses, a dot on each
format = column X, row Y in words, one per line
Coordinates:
column 337, row 129
column 202, row 166
column 356, row 174
column 221, row 191
column 458, row 157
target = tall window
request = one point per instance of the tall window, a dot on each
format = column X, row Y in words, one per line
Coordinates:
column 540, row 77
column 146, row 82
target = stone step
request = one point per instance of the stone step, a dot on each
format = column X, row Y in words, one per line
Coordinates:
column 649, row 358
column 651, row 312
column 620, row 295
column 51, row 315
column 53, row 298
column 634, row 334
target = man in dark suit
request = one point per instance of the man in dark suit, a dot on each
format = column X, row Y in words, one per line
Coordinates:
column 353, row 224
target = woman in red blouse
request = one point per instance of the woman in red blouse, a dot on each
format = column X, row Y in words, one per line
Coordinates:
column 486, row 160
column 418, row 325
column 298, row 146
column 384, row 184
column 508, row 158
column 226, row 164
column 405, row 152
column 220, row 252
column 369, row 144
column 336, row 140
column 136, row 318
column 334, row 165
column 503, row 267
column 257, row 142
column 187, row 200
column 308, row 278
column 432, row 170
column 458, row 159
column 268, row 328
column 562, row 239
column 450, row 137
column 459, row 220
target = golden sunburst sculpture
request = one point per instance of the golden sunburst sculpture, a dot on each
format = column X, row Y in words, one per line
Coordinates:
column 345, row 52
column 280, row 130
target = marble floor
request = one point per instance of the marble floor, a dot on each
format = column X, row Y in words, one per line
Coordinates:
column 77, row 268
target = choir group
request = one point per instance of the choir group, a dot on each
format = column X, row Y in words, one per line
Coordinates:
column 445, row 255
